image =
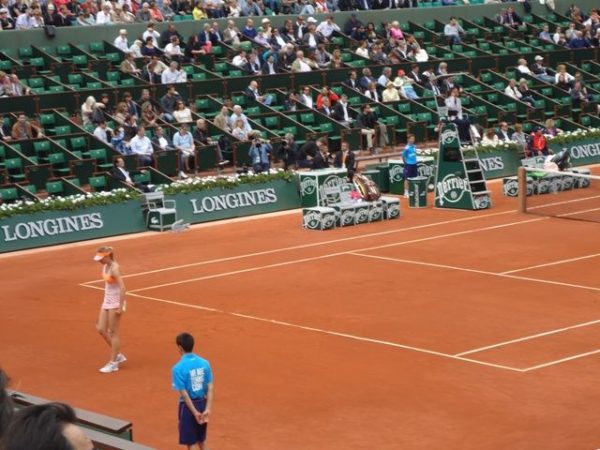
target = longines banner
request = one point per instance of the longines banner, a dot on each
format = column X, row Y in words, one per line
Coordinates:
column 218, row 204
column 59, row 227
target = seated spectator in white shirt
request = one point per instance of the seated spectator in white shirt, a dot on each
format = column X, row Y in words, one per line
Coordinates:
column 239, row 114
column 103, row 17
column 328, row 27
column 173, row 74
column 184, row 142
column 121, row 41
column 151, row 32
column 240, row 60
column 103, row 133
column 173, row 49
column 142, row 146
column 490, row 137
column 523, row 67
column 182, row 113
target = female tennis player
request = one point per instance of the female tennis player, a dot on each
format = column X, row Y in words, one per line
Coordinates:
column 112, row 307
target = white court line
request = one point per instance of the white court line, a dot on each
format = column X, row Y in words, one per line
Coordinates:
column 301, row 260
column 565, row 202
column 554, row 263
column 482, row 272
column 314, row 244
column 326, row 332
column 527, row 338
column 559, row 361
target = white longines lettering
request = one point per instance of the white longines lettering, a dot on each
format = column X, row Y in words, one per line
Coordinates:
column 233, row 200
column 493, row 163
column 52, row 227
column 584, row 151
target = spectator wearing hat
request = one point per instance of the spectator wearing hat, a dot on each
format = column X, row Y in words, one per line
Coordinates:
column 121, row 41
column 136, row 49
column 540, row 71
column 390, row 93
column 404, row 85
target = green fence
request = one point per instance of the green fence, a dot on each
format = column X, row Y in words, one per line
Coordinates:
column 58, row 227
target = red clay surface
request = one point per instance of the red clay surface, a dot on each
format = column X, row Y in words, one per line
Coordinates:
column 329, row 340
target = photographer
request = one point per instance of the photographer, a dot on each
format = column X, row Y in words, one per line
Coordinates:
column 321, row 159
column 260, row 153
column 288, row 152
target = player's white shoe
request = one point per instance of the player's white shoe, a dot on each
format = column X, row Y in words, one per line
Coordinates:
column 121, row 358
column 110, row 367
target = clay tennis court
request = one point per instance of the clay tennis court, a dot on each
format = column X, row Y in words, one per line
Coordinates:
column 444, row 329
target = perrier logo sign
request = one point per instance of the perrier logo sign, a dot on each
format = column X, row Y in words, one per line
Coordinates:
column 308, row 186
column 396, row 172
column 451, row 189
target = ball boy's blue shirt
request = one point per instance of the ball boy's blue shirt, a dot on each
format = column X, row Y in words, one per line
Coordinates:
column 193, row 374
column 409, row 155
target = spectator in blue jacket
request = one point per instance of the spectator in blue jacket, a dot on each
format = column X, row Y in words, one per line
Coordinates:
column 260, row 153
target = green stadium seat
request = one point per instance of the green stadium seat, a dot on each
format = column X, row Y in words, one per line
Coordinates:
column 14, row 166
column 98, row 183
column 8, row 194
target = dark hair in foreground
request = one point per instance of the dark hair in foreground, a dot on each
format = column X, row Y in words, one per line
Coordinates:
column 39, row 427
column 185, row 341
column 6, row 404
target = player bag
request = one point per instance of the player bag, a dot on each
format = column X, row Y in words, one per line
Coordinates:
column 367, row 187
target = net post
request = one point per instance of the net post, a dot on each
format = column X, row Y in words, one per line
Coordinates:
column 522, row 183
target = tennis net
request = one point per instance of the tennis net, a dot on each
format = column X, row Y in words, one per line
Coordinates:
column 572, row 194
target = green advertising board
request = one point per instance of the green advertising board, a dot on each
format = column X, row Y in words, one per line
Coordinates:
column 58, row 227
column 321, row 187
column 239, row 201
column 582, row 152
column 499, row 164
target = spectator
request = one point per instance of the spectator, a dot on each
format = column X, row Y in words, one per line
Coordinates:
column 239, row 130
column 231, row 34
column 363, row 49
column 136, row 49
column 250, row 8
column 370, row 127
column 415, row 75
column 128, row 65
column 143, row 14
column 320, row 159
column 405, row 86
column 390, row 93
column 342, row 112
column 325, row 107
column 192, row 378
column 150, row 32
column 173, row 74
column 6, row 22
column 103, row 133
column 24, row 128
column 240, row 60
column 291, row 102
column 168, row 103
column 104, row 15
column 153, row 70
column 527, row 94
column 249, row 31
column 384, row 78
column 490, row 137
column 156, row 14
column 288, row 152
column 545, row 33
column 5, row 130
column 252, row 92
column 322, row 56
column 579, row 94
column 306, row 97
column 173, row 51
column 271, row 65
column 453, row 32
column 352, row 24
column 121, row 113
column 328, row 27
column 366, row 79
column 260, row 153
column 503, row 132
column 345, row 159
column 557, row 35
column 520, row 137
column 253, row 64
column 371, row 93
column 121, row 40
column 119, row 172
column 200, row 134
column 238, row 114
column 184, row 142
column 149, row 115
column 510, row 18
column 166, row 35
column 142, row 146
column 160, row 141
column 540, row 71
column 329, row 94
column 86, row 18
column 523, row 68
column 352, row 80
column 579, row 41
column 550, row 129
column 182, row 113
column 221, row 120
column 47, row 426
column 537, row 144
column 302, row 64
column 512, row 90
column 311, row 38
